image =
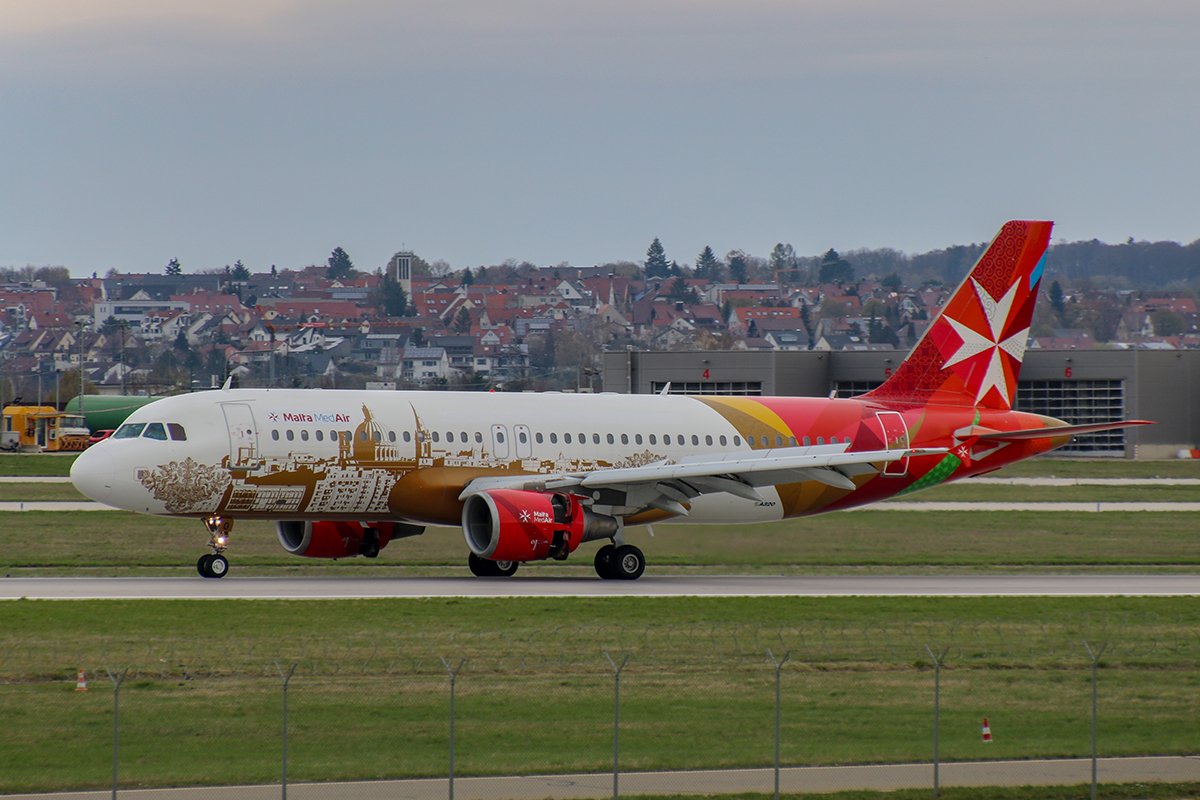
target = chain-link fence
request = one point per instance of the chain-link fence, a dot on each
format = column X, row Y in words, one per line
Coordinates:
column 589, row 712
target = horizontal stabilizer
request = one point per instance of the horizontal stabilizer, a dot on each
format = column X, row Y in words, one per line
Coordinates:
column 1062, row 430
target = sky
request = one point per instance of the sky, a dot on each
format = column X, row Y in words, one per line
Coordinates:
column 272, row 131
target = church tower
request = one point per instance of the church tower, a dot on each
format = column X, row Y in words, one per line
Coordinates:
column 400, row 268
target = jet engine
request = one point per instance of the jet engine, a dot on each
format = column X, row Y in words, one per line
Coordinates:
column 519, row 525
column 340, row 538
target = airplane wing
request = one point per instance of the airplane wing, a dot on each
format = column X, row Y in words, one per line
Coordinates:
column 666, row 484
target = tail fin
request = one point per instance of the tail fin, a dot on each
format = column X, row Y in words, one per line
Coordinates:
column 972, row 351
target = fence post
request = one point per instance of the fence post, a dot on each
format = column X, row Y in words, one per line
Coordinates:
column 1094, row 654
column 117, row 680
column 453, row 673
column 778, row 662
column 287, row 677
column 616, row 668
column 938, row 659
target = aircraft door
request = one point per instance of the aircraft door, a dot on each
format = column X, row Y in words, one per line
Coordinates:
column 243, row 436
column 500, row 442
column 524, row 441
column 895, row 437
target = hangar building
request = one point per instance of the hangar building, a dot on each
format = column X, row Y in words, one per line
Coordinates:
column 1078, row 386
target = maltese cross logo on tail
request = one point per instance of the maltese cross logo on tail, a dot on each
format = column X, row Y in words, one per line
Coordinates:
column 983, row 348
column 525, row 515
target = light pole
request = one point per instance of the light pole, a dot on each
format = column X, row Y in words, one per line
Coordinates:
column 81, row 379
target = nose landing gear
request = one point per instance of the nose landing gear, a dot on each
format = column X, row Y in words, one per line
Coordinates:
column 215, row 564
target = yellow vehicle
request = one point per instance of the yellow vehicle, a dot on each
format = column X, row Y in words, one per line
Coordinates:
column 42, row 429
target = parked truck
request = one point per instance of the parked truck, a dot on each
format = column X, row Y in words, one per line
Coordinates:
column 42, row 429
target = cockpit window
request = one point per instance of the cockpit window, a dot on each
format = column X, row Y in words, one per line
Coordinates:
column 130, row 430
column 155, row 430
column 177, row 432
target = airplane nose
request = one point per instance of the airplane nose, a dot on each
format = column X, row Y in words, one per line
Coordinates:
column 92, row 475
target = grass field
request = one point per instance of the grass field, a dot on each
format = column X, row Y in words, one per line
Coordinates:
column 370, row 697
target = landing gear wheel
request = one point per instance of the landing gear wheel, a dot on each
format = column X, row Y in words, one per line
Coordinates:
column 505, row 569
column 480, row 567
column 628, row 563
column 218, row 566
column 202, row 566
column 605, row 557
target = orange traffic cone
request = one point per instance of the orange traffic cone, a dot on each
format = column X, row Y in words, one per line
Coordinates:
column 987, row 732
column 81, row 681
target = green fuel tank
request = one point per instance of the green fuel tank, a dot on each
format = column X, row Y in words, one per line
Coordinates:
column 106, row 412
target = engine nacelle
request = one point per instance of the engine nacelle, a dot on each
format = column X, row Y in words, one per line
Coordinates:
column 519, row 525
column 340, row 538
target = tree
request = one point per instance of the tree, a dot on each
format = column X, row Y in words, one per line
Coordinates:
column 467, row 278
column 892, row 282
column 656, row 264
column 739, row 269
column 462, row 321
column 835, row 269
column 173, row 267
column 708, row 266
column 239, row 272
column 1058, row 301
column 340, row 265
column 390, row 297
column 1168, row 323
column 783, row 261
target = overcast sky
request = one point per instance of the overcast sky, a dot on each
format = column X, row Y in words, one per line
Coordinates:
column 134, row 131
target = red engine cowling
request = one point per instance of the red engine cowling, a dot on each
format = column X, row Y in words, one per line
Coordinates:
column 518, row 525
column 334, row 539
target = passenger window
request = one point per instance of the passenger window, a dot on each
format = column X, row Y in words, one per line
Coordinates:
column 653, row 439
column 792, row 441
column 595, row 438
column 499, row 437
column 681, row 440
column 708, row 440
column 377, row 436
column 779, row 441
column 537, row 437
column 275, row 435
column 807, row 441
column 437, row 438
column 820, row 440
column 130, row 430
column 362, row 435
column 478, row 437
column 566, row 438
column 695, row 440
column 737, row 441
column 610, row 438
column 176, row 431
column 391, row 436
column 155, row 430
column 407, row 436
column 553, row 438
column 304, row 435
column 522, row 438
column 291, row 435
column 420, row 436
column 723, row 440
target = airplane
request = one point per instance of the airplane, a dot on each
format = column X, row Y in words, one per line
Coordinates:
column 533, row 476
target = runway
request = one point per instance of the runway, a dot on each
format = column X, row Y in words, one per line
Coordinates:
column 793, row 780
column 310, row 588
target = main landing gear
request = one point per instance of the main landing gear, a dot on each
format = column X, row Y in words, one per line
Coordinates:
column 620, row 562
column 215, row 564
column 486, row 568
